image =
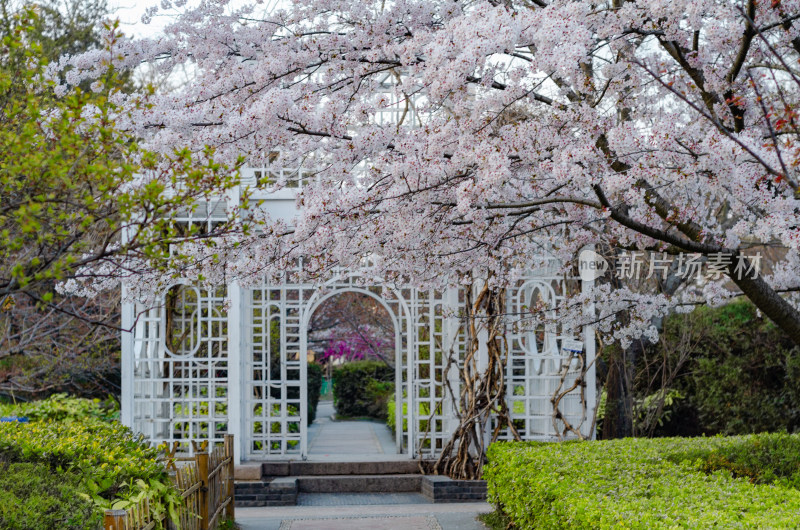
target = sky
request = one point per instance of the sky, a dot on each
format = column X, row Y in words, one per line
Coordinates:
column 130, row 14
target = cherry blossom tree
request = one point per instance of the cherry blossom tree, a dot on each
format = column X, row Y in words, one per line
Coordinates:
column 352, row 326
column 661, row 126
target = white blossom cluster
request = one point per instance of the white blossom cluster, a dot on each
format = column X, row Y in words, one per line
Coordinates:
column 535, row 125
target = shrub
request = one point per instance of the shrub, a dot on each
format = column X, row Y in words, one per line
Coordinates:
column 391, row 421
column 743, row 375
column 61, row 407
column 640, row 483
column 391, row 415
column 314, row 375
column 34, row 500
column 112, row 464
column 363, row 389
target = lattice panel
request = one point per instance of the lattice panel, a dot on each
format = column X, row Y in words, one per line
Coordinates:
column 536, row 362
column 430, row 354
column 273, row 379
column 181, row 367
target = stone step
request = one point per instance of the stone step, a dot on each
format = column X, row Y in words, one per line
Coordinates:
column 283, row 491
column 305, row 468
column 274, row 492
column 359, row 483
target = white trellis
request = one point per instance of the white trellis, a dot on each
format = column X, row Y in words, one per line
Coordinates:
column 538, row 364
column 203, row 363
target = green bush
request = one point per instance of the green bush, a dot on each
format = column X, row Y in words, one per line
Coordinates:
column 363, row 388
column 314, row 375
column 391, row 421
column 733, row 482
column 61, row 407
column 742, row 377
column 114, row 467
column 31, row 499
column 391, row 415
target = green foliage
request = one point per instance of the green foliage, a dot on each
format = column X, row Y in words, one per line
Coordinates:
column 760, row 458
column 733, row 482
column 495, row 520
column 70, row 179
column 743, row 375
column 114, row 467
column 314, row 375
column 275, row 426
column 363, row 388
column 424, row 412
column 61, row 407
column 31, row 499
column 391, row 415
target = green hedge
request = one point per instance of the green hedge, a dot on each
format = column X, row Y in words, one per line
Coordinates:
column 720, row 482
column 423, row 413
column 363, row 389
column 101, row 462
column 33, row 500
column 61, row 407
column 314, row 375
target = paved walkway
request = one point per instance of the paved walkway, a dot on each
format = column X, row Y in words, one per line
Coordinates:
column 349, row 441
column 329, row 439
column 328, row 515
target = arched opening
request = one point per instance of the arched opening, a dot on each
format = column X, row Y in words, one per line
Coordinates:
column 353, row 356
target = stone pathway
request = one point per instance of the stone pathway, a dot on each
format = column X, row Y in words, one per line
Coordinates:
column 347, row 441
column 330, row 516
column 359, row 499
column 328, row 438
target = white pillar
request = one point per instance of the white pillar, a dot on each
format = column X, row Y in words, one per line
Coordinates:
column 452, row 347
column 482, row 358
column 411, row 387
column 128, row 323
column 236, row 347
column 591, row 375
column 303, row 358
column 236, row 387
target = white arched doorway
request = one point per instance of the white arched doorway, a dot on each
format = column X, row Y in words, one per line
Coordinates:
column 398, row 312
column 275, row 408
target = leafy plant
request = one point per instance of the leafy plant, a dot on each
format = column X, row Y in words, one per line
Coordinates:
column 423, row 413
column 61, row 407
column 363, row 388
column 314, row 385
column 114, row 467
column 743, row 375
column 33, row 500
column 720, row 482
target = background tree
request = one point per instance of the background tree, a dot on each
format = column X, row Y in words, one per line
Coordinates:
column 70, row 343
column 355, row 325
column 77, row 196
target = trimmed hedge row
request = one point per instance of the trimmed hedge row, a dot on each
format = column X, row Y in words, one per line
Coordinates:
column 720, row 482
column 61, row 407
column 75, row 465
column 363, row 388
column 33, row 500
column 314, row 385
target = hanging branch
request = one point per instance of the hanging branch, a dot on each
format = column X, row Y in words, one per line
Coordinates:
column 482, row 396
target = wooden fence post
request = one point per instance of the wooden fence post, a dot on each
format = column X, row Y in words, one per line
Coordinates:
column 115, row 520
column 230, row 493
column 201, row 459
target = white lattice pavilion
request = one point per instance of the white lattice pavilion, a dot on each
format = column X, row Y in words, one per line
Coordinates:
column 233, row 360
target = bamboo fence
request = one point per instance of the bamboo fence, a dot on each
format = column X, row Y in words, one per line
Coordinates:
column 205, row 483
